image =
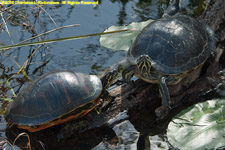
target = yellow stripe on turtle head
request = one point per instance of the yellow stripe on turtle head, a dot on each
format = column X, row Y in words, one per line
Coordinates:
column 144, row 65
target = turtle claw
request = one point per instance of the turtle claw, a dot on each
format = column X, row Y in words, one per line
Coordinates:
column 161, row 112
column 108, row 98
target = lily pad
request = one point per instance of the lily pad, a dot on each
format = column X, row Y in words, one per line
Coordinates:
column 122, row 41
column 199, row 127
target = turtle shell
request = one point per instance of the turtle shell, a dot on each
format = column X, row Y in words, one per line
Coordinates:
column 52, row 96
column 175, row 44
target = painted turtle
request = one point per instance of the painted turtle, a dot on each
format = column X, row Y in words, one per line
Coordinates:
column 56, row 98
column 168, row 49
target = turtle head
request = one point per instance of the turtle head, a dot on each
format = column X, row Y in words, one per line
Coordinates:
column 144, row 65
column 108, row 78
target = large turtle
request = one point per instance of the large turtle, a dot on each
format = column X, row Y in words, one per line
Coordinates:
column 169, row 49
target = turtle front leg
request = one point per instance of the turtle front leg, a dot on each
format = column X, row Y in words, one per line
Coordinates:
column 128, row 73
column 163, row 111
column 164, row 92
column 106, row 96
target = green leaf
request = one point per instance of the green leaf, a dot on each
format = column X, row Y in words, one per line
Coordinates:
column 199, row 127
column 122, row 41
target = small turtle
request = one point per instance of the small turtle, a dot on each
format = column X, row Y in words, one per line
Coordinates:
column 56, row 98
column 169, row 49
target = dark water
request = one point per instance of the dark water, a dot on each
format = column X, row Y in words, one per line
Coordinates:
column 83, row 55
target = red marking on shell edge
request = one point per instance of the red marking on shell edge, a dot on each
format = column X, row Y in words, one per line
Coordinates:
column 59, row 121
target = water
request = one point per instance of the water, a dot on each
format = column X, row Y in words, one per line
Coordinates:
column 83, row 55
